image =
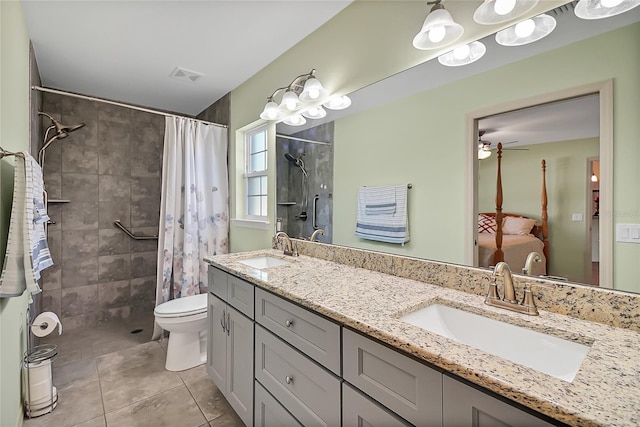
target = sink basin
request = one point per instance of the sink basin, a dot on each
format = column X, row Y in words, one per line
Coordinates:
column 545, row 353
column 263, row 262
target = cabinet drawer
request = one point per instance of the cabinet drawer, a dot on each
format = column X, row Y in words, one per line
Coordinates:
column 407, row 387
column 269, row 412
column 464, row 405
column 308, row 391
column 240, row 295
column 358, row 410
column 218, row 283
column 313, row 335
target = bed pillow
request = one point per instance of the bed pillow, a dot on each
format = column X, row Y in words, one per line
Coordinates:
column 486, row 224
column 517, row 226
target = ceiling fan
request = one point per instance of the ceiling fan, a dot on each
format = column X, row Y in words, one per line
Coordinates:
column 485, row 147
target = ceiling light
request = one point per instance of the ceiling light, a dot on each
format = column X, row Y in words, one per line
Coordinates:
column 295, row 120
column 527, row 31
column 439, row 29
column 597, row 9
column 483, row 151
column 463, row 55
column 315, row 112
column 302, row 96
column 498, row 11
column 338, row 102
column 594, row 178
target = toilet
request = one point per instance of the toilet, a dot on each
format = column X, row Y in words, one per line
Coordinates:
column 186, row 320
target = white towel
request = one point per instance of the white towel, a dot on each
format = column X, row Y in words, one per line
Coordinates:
column 379, row 200
column 388, row 227
column 19, row 272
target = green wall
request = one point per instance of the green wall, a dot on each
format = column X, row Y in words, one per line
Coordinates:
column 421, row 140
column 567, row 186
column 14, row 136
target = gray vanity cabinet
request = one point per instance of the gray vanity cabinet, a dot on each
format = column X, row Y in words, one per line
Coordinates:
column 269, row 412
column 467, row 406
column 407, row 387
column 230, row 342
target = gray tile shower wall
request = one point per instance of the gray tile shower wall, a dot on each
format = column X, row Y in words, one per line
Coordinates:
column 110, row 170
column 318, row 161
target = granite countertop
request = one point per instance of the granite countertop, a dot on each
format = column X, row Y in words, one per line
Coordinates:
column 605, row 390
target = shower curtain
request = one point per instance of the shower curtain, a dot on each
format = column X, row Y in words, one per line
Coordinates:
column 194, row 209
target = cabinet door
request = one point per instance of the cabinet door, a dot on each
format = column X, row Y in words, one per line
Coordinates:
column 467, row 406
column 239, row 390
column 269, row 412
column 358, row 410
column 217, row 342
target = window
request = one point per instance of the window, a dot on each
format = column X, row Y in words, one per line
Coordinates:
column 256, row 172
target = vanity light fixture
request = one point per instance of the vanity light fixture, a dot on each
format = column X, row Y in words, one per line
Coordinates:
column 594, row 177
column 439, row 29
column 302, row 97
column 483, row 151
column 463, row 55
column 527, row 31
column 498, row 11
column 598, row 9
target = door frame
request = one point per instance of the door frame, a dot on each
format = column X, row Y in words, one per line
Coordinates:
column 605, row 91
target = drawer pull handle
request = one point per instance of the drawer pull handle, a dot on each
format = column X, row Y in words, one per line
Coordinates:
column 288, row 379
column 288, row 323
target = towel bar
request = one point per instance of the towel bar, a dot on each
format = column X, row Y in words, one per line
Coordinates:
column 118, row 224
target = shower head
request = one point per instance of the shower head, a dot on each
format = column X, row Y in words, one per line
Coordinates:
column 296, row 161
column 62, row 131
column 289, row 157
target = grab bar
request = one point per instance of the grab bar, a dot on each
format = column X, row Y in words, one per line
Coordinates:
column 118, row 224
column 314, row 213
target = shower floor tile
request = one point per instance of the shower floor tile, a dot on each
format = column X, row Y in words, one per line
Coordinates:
column 108, row 377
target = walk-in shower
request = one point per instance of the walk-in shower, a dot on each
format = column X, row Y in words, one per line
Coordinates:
column 298, row 162
column 61, row 131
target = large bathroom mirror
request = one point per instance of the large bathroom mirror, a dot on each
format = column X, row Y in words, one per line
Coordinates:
column 414, row 128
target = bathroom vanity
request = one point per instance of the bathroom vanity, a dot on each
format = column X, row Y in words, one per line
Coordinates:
column 325, row 344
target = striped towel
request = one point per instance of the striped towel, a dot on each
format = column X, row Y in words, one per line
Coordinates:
column 19, row 271
column 40, row 254
column 383, row 223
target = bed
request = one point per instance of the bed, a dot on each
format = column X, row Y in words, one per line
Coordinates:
column 511, row 237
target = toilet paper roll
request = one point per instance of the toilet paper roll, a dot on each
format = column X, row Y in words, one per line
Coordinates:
column 45, row 323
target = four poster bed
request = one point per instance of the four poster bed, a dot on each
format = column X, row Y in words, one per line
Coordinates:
column 510, row 237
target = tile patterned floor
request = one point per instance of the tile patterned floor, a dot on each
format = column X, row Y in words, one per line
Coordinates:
column 108, row 377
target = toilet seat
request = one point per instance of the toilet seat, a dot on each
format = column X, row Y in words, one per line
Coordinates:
column 182, row 307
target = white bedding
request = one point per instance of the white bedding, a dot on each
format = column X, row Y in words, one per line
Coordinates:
column 515, row 248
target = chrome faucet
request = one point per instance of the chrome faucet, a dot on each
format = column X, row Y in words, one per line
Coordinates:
column 528, row 304
column 288, row 247
column 315, row 234
column 528, row 264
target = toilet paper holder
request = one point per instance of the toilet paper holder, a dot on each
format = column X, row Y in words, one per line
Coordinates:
column 40, row 395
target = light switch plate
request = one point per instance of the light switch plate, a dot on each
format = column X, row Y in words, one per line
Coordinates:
column 628, row 233
column 576, row 217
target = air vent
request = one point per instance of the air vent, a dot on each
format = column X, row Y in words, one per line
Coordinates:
column 564, row 8
column 185, row 75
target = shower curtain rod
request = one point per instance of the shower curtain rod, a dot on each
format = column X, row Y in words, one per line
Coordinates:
column 119, row 104
column 279, row 135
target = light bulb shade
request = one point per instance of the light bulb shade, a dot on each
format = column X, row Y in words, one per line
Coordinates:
column 594, row 178
column 338, row 103
column 313, row 91
column 295, row 120
column 483, row 154
column 489, row 13
column 474, row 51
column 290, row 101
column 315, row 112
column 271, row 111
column 598, row 9
column 544, row 25
column 437, row 19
